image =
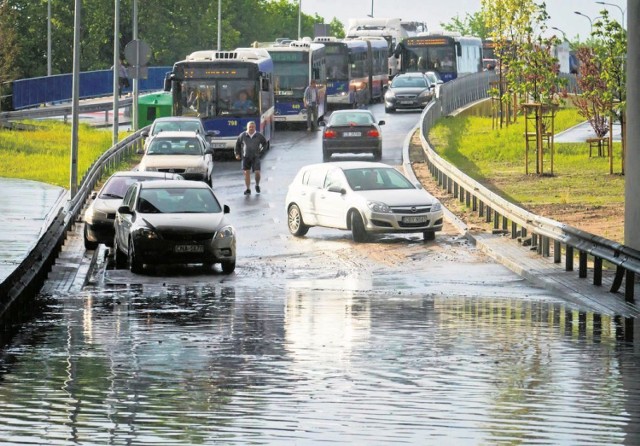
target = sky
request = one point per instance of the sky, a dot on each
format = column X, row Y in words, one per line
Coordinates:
column 437, row 12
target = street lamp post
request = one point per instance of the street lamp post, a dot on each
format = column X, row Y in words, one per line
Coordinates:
column 219, row 25
column 49, row 38
column 564, row 35
column 299, row 17
column 588, row 18
column 617, row 6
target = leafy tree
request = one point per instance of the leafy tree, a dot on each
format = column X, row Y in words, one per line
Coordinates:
column 337, row 28
column 592, row 102
column 472, row 25
column 9, row 51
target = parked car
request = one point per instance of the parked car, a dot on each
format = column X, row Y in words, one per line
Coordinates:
column 435, row 80
column 100, row 214
column 178, row 124
column 173, row 222
column 408, row 91
column 185, row 153
column 363, row 197
column 351, row 131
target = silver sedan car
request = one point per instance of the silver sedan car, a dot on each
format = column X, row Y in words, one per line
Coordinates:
column 100, row 214
column 363, row 197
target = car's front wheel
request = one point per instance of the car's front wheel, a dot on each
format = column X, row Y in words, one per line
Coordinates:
column 118, row 256
column 429, row 235
column 88, row 244
column 357, row 228
column 228, row 266
column 295, row 222
column 135, row 265
column 377, row 155
column 326, row 156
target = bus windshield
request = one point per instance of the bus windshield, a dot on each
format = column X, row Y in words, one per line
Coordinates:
column 337, row 66
column 437, row 58
column 218, row 97
column 291, row 79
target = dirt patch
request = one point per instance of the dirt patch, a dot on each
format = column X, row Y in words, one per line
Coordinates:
column 605, row 221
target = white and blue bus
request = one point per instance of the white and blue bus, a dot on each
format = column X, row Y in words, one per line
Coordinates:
column 377, row 67
column 451, row 55
column 226, row 90
column 346, row 62
column 294, row 66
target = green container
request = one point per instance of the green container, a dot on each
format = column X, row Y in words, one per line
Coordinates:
column 152, row 106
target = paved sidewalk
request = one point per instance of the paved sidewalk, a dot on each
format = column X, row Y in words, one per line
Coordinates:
column 26, row 208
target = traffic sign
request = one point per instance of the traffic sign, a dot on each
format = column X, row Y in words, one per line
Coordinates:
column 137, row 52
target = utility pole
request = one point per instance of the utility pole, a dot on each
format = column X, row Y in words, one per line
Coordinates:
column 75, row 92
column 116, row 70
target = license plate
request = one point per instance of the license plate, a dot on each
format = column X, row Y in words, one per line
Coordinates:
column 218, row 145
column 348, row 134
column 189, row 248
column 415, row 219
column 406, row 102
column 280, row 118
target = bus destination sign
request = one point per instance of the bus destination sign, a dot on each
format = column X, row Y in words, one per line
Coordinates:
column 215, row 73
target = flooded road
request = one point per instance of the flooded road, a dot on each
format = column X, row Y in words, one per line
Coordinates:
column 318, row 340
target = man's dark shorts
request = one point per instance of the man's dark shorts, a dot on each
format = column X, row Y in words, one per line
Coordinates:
column 251, row 163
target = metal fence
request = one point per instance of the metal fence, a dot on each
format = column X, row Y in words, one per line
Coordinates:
column 546, row 236
column 51, row 89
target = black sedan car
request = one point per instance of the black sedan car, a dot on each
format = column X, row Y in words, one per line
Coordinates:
column 173, row 222
column 351, row 131
column 408, row 91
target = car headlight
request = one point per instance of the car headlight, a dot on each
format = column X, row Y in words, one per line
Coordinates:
column 389, row 94
column 226, row 232
column 425, row 94
column 437, row 206
column 144, row 168
column 198, row 168
column 147, row 233
column 377, row 206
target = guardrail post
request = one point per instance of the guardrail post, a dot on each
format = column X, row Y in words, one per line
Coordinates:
column 455, row 190
column 488, row 215
column 629, row 286
column 557, row 251
column 474, row 203
column 545, row 246
column 481, row 209
column 597, row 271
column 568, row 252
column 514, row 230
column 582, row 265
column 496, row 220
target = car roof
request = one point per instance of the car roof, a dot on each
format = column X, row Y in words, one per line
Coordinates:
column 176, row 134
column 413, row 74
column 351, row 111
column 346, row 165
column 176, row 118
column 174, row 184
column 144, row 173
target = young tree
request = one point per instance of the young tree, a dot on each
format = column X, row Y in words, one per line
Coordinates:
column 9, row 52
column 591, row 100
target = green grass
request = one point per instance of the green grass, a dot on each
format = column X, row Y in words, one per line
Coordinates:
column 496, row 158
column 44, row 154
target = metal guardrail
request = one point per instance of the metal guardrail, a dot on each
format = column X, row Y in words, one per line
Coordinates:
column 29, row 276
column 62, row 110
column 548, row 237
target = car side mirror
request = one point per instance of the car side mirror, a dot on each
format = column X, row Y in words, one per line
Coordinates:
column 94, row 194
column 209, row 151
column 125, row 210
column 341, row 190
column 381, row 122
column 322, row 123
column 144, row 133
column 226, row 209
column 418, row 185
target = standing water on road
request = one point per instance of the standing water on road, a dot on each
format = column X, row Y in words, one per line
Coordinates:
column 207, row 364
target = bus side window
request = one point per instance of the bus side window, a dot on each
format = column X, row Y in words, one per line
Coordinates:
column 264, row 84
column 458, row 49
column 316, row 73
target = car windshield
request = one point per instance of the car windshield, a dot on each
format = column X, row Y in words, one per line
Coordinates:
column 116, row 187
column 400, row 82
column 376, row 178
column 351, row 119
column 175, row 146
column 178, row 201
column 176, row 126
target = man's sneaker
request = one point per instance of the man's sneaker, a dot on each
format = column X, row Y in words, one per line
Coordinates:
column 247, row 192
column 257, row 189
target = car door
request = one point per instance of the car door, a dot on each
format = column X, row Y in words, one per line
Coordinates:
column 310, row 184
column 330, row 202
column 123, row 221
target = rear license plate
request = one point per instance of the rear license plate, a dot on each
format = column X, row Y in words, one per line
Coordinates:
column 218, row 145
column 351, row 134
column 415, row 219
column 189, row 248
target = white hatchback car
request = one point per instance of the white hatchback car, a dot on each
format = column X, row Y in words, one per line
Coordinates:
column 184, row 153
column 363, row 197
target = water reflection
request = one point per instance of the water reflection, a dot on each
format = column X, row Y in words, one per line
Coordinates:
column 217, row 364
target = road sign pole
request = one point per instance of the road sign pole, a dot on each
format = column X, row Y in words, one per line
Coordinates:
column 136, row 79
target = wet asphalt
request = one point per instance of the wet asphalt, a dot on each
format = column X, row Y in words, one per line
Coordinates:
column 317, row 340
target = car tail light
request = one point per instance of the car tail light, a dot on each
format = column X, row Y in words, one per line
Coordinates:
column 330, row 134
column 373, row 133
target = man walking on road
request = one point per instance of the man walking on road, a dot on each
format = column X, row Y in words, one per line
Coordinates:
column 311, row 104
column 249, row 146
